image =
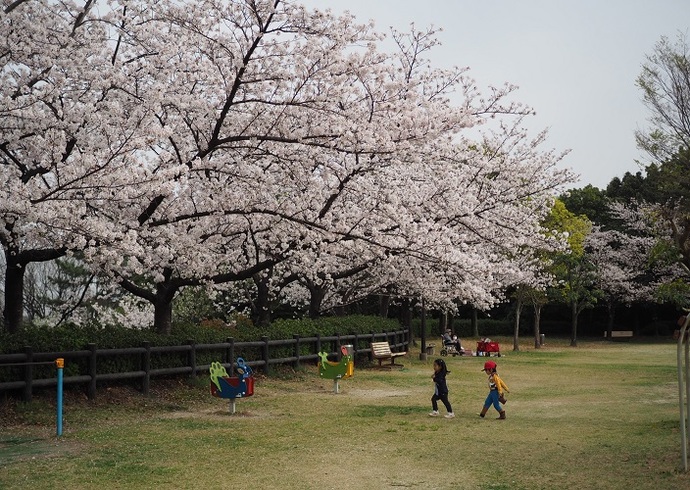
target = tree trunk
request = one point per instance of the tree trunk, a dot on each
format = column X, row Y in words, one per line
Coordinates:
column 162, row 307
column 13, row 313
column 318, row 293
column 442, row 323
column 162, row 316
column 516, row 332
column 261, row 314
column 384, row 304
column 611, row 307
column 406, row 317
column 537, row 326
column 423, row 330
column 574, row 313
column 475, row 323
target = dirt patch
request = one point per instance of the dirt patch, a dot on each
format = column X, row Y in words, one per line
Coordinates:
column 373, row 394
column 210, row 414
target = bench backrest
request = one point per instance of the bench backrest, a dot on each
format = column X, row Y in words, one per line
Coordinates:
column 380, row 349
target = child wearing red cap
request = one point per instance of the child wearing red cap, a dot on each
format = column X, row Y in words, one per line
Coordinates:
column 496, row 389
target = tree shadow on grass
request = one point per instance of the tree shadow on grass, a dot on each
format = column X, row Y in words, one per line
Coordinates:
column 20, row 448
column 385, row 410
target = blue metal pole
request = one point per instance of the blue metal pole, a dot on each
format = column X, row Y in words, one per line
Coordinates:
column 60, row 363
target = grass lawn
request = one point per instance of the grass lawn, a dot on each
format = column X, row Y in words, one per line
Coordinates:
column 598, row 416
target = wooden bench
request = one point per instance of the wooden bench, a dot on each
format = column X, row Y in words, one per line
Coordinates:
column 620, row 334
column 382, row 350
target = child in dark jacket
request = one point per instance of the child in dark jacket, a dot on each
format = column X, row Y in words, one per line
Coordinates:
column 441, row 389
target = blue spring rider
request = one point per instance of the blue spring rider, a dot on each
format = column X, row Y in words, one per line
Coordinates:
column 232, row 387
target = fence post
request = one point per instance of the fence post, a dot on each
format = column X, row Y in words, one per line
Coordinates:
column 337, row 345
column 146, row 367
column 146, row 372
column 264, row 348
column 356, row 346
column 296, row 363
column 91, row 393
column 28, row 374
column 192, row 357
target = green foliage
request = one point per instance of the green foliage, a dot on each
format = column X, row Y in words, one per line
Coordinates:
column 676, row 293
column 664, row 253
column 325, row 327
column 193, row 305
column 673, row 179
column 575, row 281
column 665, row 183
column 330, row 326
column 590, row 202
column 573, row 272
column 628, row 189
column 564, row 221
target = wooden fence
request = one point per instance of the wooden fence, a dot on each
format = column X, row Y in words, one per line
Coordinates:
column 257, row 354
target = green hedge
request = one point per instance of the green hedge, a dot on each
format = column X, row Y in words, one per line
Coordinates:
column 71, row 337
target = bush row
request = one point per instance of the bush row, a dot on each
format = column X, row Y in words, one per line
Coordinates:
column 73, row 338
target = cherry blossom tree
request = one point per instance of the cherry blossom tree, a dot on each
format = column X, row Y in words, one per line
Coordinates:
column 363, row 185
column 61, row 138
column 653, row 245
column 473, row 255
column 623, row 270
column 186, row 143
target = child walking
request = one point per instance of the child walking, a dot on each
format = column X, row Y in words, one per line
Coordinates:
column 441, row 389
column 496, row 389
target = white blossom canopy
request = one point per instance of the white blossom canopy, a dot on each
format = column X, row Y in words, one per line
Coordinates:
column 197, row 141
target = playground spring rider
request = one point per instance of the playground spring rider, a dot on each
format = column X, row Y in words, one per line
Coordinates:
column 232, row 387
column 336, row 371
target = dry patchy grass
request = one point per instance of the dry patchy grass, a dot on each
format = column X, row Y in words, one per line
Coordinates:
column 602, row 415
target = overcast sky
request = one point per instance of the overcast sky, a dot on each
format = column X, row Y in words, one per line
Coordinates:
column 575, row 63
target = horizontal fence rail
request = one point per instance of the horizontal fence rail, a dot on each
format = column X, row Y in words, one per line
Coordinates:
column 27, row 370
